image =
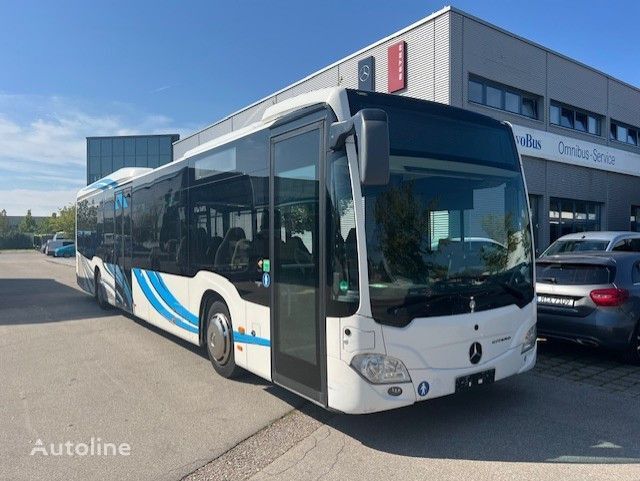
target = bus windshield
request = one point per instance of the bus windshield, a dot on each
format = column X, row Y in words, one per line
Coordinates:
column 449, row 234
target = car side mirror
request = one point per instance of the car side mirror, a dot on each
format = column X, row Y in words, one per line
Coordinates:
column 371, row 127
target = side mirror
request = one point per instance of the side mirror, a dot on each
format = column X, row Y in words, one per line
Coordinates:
column 371, row 127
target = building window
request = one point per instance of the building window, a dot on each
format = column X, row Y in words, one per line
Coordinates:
column 623, row 133
column 574, row 118
column 494, row 97
column 566, row 118
column 498, row 96
column 567, row 216
column 634, row 219
column 512, row 102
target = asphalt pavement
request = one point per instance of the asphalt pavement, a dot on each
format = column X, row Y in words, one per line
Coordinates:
column 71, row 372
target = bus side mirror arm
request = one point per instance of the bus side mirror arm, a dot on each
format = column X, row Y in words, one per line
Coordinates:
column 371, row 128
column 338, row 133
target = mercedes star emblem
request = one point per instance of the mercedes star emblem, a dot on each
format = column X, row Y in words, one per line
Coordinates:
column 475, row 353
column 365, row 71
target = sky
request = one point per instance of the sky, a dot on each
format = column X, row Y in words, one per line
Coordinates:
column 72, row 69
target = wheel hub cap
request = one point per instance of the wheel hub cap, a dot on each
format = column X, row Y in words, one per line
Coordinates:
column 220, row 338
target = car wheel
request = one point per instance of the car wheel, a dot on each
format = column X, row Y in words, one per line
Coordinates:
column 632, row 354
column 219, row 339
column 101, row 296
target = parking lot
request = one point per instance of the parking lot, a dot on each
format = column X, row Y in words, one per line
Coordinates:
column 71, row 372
column 586, row 365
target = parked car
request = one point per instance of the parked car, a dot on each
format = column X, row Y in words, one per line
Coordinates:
column 592, row 299
column 66, row 251
column 595, row 241
column 59, row 240
column 40, row 241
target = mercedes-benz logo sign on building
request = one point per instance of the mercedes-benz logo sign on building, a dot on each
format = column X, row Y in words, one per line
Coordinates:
column 475, row 353
column 365, row 71
column 366, row 74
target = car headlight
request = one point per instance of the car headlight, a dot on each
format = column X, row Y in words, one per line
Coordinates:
column 529, row 339
column 380, row 369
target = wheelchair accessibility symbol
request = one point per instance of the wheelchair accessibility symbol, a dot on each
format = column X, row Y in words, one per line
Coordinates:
column 423, row 388
column 266, row 279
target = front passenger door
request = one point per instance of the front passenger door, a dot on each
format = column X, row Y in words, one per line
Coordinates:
column 297, row 230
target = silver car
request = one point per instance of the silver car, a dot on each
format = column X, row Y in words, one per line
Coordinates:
column 592, row 299
column 627, row 241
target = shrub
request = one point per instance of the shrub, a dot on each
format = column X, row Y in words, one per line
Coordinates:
column 16, row 240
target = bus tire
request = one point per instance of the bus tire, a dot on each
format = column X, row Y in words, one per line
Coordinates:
column 219, row 339
column 100, row 295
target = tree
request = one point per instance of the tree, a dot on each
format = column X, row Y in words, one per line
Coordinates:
column 403, row 230
column 45, row 226
column 65, row 220
column 28, row 224
column 4, row 222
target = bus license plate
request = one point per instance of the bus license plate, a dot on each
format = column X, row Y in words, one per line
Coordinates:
column 464, row 383
column 555, row 301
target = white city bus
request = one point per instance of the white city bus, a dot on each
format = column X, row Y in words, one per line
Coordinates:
column 363, row 250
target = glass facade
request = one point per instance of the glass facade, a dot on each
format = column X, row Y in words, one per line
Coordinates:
column 634, row 218
column 108, row 154
column 567, row 216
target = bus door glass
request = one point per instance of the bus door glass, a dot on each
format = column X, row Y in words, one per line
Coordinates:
column 294, row 270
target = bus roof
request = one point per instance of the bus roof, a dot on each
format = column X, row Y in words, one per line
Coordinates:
column 116, row 179
column 335, row 97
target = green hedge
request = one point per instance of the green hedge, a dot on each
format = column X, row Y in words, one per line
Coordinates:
column 16, row 240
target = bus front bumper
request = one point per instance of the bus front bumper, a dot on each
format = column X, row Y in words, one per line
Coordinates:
column 352, row 394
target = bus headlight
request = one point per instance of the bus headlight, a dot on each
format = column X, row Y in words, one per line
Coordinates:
column 380, row 369
column 529, row 339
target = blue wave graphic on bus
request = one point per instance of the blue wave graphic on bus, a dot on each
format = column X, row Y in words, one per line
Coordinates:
column 154, row 299
column 102, row 184
column 155, row 290
column 169, row 298
column 122, row 287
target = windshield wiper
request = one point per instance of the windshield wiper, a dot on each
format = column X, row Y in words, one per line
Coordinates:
column 509, row 289
column 425, row 300
column 552, row 280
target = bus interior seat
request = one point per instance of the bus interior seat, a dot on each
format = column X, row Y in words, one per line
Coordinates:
column 228, row 246
column 201, row 245
column 240, row 258
column 214, row 245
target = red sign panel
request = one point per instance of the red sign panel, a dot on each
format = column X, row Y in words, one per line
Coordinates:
column 397, row 66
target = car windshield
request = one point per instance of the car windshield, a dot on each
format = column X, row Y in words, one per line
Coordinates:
column 450, row 232
column 575, row 245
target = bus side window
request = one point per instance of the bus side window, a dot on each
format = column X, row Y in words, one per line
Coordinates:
column 228, row 213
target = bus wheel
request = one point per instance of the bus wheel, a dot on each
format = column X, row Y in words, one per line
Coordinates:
column 101, row 298
column 220, row 340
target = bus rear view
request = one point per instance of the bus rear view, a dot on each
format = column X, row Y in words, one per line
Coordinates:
column 448, row 283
